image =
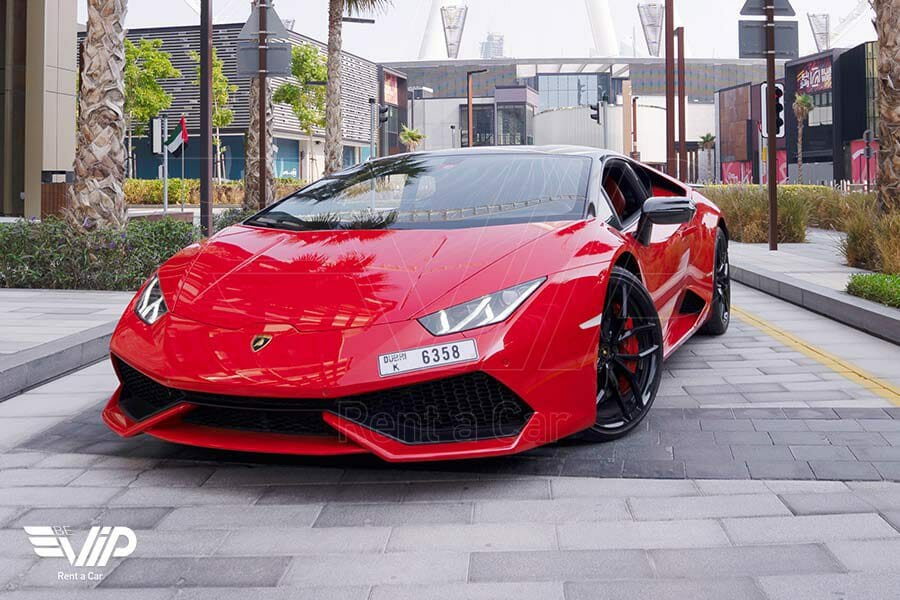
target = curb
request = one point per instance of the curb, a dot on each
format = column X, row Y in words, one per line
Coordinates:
column 32, row 367
column 872, row 318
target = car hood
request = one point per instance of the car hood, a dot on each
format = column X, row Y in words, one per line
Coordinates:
column 320, row 281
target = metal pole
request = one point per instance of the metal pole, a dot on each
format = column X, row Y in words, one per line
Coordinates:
column 671, row 165
column 471, row 120
column 165, row 166
column 682, row 110
column 373, row 110
column 183, row 152
column 772, row 126
column 634, row 125
column 205, row 141
column 263, row 101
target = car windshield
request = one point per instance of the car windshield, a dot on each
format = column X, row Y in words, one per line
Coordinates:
column 417, row 191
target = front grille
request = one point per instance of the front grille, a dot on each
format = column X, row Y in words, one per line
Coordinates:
column 141, row 396
column 464, row 408
column 290, row 422
column 468, row 407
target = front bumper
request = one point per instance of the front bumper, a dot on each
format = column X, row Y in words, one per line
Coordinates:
column 539, row 366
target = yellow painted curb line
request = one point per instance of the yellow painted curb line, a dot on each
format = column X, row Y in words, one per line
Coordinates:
column 848, row 370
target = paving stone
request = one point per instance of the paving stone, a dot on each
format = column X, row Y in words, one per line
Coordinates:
column 862, row 413
column 844, row 470
column 823, row 504
column 319, row 494
column 638, row 535
column 687, row 438
column 666, row 589
column 870, row 556
column 56, row 497
column 34, row 476
column 873, row 453
column 270, row 541
column 272, row 475
column 799, row 438
column 725, row 487
column 107, row 477
column 279, row 593
column 524, row 489
column 806, row 487
column 744, row 561
column 880, row 425
column 245, row 571
column 564, row 565
column 821, row 586
column 567, row 487
column 708, row 454
column 169, row 544
column 726, row 425
column 13, row 460
column 829, row 425
column 759, row 413
column 768, row 469
column 742, row 438
column 134, row 517
column 851, row 438
column 473, row 538
column 706, row 507
column 238, row 517
column 759, row 452
column 600, row 467
column 654, row 469
column 699, row 469
column 10, row 568
column 78, row 518
column 655, row 452
column 172, row 496
column 173, row 477
column 892, row 437
column 803, row 529
column 391, row 568
column 811, row 413
column 387, row 515
column 470, row 591
column 888, row 470
column 780, row 425
column 822, row 453
column 558, row 510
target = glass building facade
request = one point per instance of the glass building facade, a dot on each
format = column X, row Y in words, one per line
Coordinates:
column 563, row 91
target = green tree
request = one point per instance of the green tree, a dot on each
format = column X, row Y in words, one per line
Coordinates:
column 803, row 105
column 145, row 65
column 411, row 138
column 222, row 114
column 333, row 135
column 305, row 94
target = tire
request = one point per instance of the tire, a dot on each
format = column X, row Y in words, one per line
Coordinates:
column 720, row 315
column 632, row 364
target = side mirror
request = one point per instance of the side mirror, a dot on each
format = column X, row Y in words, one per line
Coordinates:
column 663, row 210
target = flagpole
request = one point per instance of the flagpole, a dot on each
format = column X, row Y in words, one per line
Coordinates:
column 166, row 167
column 183, row 151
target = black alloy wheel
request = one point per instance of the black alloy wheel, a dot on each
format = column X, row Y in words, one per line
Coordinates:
column 720, row 315
column 629, row 358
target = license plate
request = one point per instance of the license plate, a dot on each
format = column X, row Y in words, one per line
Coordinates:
column 429, row 357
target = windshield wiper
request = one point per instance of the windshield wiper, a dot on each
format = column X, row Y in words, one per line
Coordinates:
column 277, row 220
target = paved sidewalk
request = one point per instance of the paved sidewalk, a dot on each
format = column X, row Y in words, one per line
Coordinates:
column 46, row 333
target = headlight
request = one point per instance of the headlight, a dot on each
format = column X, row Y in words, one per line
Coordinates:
column 486, row 310
column 151, row 305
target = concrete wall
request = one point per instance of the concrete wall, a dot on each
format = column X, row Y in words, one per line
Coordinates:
column 574, row 126
column 433, row 117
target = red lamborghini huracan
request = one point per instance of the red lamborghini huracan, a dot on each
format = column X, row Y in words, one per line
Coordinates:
column 428, row 306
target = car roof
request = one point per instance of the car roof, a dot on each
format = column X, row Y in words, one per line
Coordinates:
column 558, row 150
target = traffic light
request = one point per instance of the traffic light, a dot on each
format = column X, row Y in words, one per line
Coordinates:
column 595, row 112
column 779, row 110
column 384, row 114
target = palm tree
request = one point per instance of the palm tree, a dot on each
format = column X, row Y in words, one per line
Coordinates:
column 333, row 118
column 97, row 197
column 887, row 15
column 252, row 201
column 411, row 138
column 708, row 143
column 803, row 105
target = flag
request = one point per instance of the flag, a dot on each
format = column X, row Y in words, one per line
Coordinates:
column 178, row 138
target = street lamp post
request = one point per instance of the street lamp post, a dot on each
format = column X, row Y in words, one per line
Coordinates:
column 469, row 92
column 206, row 147
column 772, row 127
column 671, row 165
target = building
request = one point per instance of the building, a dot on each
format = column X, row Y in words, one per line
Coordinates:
column 298, row 155
column 37, row 104
column 492, row 46
column 843, row 86
column 553, row 96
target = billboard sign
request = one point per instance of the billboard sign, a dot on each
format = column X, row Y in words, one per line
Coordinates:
column 391, row 90
column 814, row 77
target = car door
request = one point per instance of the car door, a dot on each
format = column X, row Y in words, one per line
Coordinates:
column 662, row 261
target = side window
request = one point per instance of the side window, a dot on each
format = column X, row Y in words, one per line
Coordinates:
column 625, row 192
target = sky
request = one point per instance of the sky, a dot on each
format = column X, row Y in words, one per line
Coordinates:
column 533, row 28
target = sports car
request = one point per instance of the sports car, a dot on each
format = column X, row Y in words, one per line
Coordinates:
column 428, row 306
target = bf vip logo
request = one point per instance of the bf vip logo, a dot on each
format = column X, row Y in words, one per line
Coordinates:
column 102, row 543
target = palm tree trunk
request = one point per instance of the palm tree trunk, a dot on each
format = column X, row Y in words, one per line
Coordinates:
column 251, row 146
column 799, row 152
column 97, row 197
column 333, row 118
column 887, row 16
column 130, row 163
column 710, row 164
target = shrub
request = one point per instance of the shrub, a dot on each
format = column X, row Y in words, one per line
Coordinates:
column 150, row 191
column 231, row 217
column 877, row 287
column 51, row 255
column 746, row 210
column 888, row 243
